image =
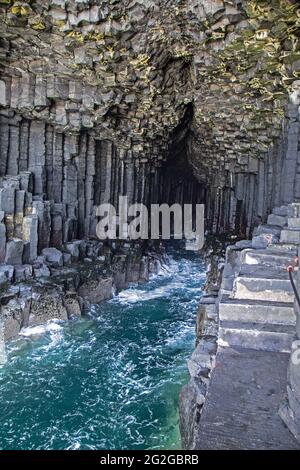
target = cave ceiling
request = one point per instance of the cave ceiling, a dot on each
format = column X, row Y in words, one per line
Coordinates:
column 131, row 72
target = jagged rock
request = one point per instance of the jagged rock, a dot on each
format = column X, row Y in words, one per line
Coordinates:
column 133, row 270
column 290, row 236
column 172, row 82
column 144, row 270
column 192, row 398
column 154, row 266
column 43, row 209
column 99, row 101
column 3, row 100
column 7, row 200
column 232, row 265
column 278, row 220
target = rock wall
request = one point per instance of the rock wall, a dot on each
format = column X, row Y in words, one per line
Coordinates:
column 249, row 196
column 64, row 285
column 101, row 98
column 51, row 184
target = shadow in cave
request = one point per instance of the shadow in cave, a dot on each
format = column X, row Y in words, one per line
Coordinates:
column 179, row 185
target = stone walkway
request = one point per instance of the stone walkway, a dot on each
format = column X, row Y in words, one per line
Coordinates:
column 256, row 330
column 241, row 408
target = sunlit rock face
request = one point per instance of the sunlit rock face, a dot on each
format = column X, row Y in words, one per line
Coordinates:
column 165, row 101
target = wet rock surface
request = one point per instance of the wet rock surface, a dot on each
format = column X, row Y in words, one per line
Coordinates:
column 53, row 290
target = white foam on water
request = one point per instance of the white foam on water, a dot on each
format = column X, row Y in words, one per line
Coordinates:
column 74, row 446
column 141, row 367
column 133, row 295
column 180, row 336
column 177, row 282
column 40, row 329
column 51, row 328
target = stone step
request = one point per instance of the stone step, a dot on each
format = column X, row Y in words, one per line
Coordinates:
column 284, row 247
column 257, row 311
column 282, row 210
column 246, row 416
column 264, row 272
column 290, row 236
column 294, row 223
column 267, row 258
column 277, row 220
column 267, row 229
column 263, row 287
column 294, row 209
column 263, row 337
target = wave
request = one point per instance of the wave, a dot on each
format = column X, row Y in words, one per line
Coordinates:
column 41, row 329
column 135, row 295
column 110, row 381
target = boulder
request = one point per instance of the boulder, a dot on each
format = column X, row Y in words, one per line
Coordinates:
column 53, row 257
column 144, row 270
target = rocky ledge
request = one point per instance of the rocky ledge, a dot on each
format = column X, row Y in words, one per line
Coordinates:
column 243, row 376
column 64, row 284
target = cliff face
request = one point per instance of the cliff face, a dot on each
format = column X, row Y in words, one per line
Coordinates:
column 161, row 100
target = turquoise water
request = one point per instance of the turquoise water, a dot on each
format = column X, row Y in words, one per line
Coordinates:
column 107, row 382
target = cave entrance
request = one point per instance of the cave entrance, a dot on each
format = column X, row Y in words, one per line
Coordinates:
column 178, row 182
column 119, row 174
